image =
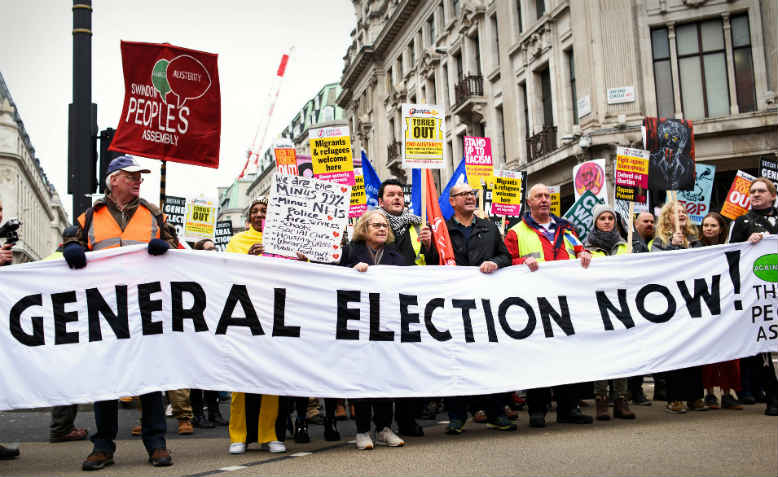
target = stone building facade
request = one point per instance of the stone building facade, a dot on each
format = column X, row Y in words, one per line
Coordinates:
column 557, row 82
column 25, row 191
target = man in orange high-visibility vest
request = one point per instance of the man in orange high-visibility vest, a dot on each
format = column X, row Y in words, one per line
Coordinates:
column 122, row 218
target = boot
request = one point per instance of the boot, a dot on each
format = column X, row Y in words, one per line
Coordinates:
column 602, row 408
column 215, row 416
column 331, row 430
column 200, row 421
column 772, row 406
column 301, row 435
column 621, row 409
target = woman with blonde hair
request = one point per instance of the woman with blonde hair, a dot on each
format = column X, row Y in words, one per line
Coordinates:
column 674, row 231
column 372, row 245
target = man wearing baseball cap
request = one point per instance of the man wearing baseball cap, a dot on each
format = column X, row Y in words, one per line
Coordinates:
column 119, row 219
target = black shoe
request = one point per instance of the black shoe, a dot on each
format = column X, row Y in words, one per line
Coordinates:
column 97, row 460
column 639, row 398
column 747, row 398
column 202, row 422
column 215, row 416
column 301, row 432
column 411, row 430
column 575, row 416
column 537, row 419
column 772, row 407
column 330, row 431
column 8, row 454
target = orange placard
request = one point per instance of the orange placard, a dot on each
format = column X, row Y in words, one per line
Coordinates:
column 738, row 199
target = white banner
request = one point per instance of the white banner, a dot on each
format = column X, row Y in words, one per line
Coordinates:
column 131, row 323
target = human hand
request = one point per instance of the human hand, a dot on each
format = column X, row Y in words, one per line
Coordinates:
column 75, row 256
column 755, row 237
column 158, row 246
column 301, row 257
column 257, row 249
column 677, row 239
column 425, row 236
column 586, row 258
column 488, row 267
column 361, row 267
column 6, row 255
column 532, row 263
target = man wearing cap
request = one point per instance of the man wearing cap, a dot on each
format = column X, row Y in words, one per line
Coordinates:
column 544, row 237
column 119, row 219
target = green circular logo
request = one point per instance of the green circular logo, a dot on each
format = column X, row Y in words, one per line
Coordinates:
column 766, row 267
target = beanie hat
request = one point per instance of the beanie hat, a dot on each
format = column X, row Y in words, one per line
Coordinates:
column 599, row 209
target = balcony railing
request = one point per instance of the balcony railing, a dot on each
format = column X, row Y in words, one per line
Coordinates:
column 541, row 143
column 393, row 151
column 468, row 87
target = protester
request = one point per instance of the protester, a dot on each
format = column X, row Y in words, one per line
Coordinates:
column 6, row 255
column 182, row 410
column 254, row 417
column 214, row 417
column 725, row 375
column 644, row 226
column 762, row 220
column 543, row 237
column 372, row 245
column 603, row 241
column 122, row 218
column 674, row 231
column 412, row 239
column 476, row 242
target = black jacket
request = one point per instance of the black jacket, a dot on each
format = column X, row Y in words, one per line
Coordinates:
column 356, row 252
column 405, row 247
column 754, row 222
column 485, row 244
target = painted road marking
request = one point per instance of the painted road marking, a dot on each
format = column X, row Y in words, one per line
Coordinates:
column 233, row 467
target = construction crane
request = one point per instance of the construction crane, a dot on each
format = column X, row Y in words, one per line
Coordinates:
column 252, row 158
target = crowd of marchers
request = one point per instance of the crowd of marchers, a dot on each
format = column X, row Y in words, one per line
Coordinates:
column 392, row 235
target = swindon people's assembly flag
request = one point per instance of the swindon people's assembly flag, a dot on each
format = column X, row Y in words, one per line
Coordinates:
column 172, row 104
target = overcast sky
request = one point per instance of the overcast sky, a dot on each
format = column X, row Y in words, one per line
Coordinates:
column 248, row 35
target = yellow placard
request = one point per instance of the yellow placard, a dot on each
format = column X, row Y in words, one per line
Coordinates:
column 331, row 155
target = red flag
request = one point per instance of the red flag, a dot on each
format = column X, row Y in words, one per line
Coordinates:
column 438, row 223
column 172, row 104
column 282, row 66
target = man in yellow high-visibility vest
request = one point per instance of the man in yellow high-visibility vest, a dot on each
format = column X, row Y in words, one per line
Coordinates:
column 541, row 237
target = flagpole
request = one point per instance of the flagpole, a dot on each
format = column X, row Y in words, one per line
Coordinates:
column 629, row 225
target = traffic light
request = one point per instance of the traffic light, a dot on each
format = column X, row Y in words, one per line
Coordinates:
column 106, row 156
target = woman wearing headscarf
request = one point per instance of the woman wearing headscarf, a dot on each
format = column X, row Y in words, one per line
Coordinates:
column 683, row 385
column 371, row 245
column 604, row 240
column 725, row 375
column 254, row 417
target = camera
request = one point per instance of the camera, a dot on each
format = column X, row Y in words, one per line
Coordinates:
column 10, row 230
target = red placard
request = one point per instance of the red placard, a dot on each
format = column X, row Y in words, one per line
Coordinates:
column 172, row 104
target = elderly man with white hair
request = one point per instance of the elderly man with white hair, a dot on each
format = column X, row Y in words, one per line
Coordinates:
column 543, row 237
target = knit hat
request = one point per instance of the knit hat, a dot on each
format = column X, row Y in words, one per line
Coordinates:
column 599, row 209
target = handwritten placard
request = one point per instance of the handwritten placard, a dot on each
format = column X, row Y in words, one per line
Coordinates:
column 306, row 215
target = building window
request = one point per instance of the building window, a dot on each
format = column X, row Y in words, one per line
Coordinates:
column 574, row 96
column 495, row 40
column 399, row 69
column 446, row 97
column 424, row 98
column 548, row 107
column 526, row 109
column 441, row 15
column 392, row 135
column 431, row 30
column 702, row 69
column 455, row 7
column 477, row 54
column 519, row 20
column 389, row 80
column 540, row 8
column 663, row 75
column 501, row 125
column 744, row 65
column 411, row 54
column 458, row 62
column 433, row 90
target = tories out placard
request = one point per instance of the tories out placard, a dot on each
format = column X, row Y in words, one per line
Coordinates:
column 307, row 216
column 424, row 130
column 172, row 104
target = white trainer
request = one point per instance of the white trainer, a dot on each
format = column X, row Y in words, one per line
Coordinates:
column 364, row 442
column 386, row 437
column 238, row 448
column 276, row 447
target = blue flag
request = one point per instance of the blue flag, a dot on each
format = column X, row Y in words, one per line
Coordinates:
column 415, row 206
column 372, row 182
column 459, row 177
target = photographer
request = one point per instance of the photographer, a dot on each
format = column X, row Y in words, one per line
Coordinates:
column 6, row 255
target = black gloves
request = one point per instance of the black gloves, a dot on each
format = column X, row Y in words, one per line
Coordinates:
column 158, row 246
column 74, row 255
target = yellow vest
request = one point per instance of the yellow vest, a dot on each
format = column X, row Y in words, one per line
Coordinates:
column 416, row 244
column 530, row 245
column 619, row 251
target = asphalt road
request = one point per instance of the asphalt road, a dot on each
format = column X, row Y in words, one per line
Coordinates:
column 720, row 442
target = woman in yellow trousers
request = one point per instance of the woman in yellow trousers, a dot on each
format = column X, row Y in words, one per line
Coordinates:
column 254, row 417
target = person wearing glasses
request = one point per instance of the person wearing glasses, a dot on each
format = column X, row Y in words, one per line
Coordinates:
column 120, row 219
column 543, row 237
column 372, row 245
column 477, row 243
column 762, row 220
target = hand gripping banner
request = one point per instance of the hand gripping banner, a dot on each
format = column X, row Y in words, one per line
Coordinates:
column 131, row 323
column 172, row 104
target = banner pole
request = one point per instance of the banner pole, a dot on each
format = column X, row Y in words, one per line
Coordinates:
column 162, row 179
column 630, row 225
column 674, row 195
column 423, row 195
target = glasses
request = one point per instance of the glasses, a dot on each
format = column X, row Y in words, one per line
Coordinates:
column 378, row 225
column 467, row 193
column 134, row 177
